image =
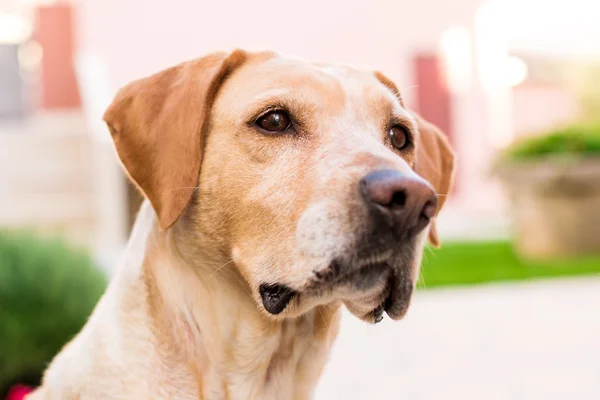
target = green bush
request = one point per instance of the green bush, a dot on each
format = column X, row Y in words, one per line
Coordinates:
column 574, row 141
column 47, row 292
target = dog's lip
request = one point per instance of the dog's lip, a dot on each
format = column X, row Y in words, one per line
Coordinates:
column 378, row 313
column 395, row 304
column 396, row 295
column 276, row 297
column 390, row 296
column 331, row 275
column 399, row 296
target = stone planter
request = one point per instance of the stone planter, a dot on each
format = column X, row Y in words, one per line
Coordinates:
column 555, row 206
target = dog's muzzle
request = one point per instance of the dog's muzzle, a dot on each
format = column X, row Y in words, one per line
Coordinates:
column 375, row 274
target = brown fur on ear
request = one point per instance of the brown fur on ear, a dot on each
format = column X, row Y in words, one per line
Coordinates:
column 158, row 125
column 435, row 162
column 434, row 159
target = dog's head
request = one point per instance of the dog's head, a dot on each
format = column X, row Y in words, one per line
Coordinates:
column 314, row 180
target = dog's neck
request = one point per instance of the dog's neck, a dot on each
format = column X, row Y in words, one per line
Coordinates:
column 209, row 322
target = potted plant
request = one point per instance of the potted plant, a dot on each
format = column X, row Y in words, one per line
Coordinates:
column 554, row 184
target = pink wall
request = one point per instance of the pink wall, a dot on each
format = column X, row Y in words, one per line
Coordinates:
column 138, row 37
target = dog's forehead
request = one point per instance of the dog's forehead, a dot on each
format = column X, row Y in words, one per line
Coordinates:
column 294, row 67
column 267, row 75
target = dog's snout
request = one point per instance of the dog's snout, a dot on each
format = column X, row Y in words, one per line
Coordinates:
column 408, row 199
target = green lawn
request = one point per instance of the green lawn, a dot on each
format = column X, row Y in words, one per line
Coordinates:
column 480, row 262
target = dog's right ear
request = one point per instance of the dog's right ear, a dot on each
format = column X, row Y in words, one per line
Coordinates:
column 434, row 162
column 158, row 125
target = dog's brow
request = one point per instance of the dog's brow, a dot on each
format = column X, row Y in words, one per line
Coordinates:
column 271, row 94
column 271, row 98
column 285, row 98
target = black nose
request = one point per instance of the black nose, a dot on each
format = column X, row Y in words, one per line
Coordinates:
column 408, row 199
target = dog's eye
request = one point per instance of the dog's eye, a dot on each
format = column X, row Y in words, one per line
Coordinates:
column 275, row 121
column 399, row 137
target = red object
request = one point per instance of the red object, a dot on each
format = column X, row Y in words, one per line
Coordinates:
column 434, row 99
column 433, row 96
column 55, row 33
column 18, row 392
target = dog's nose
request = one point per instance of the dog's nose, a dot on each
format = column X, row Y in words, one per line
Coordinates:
column 409, row 199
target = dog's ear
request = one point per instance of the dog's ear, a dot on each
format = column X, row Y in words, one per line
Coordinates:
column 158, row 124
column 434, row 161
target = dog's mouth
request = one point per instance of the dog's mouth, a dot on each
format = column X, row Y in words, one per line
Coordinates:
column 375, row 289
column 370, row 288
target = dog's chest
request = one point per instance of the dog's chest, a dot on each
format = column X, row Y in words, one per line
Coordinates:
column 281, row 364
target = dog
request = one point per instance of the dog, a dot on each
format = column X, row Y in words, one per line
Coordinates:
column 277, row 191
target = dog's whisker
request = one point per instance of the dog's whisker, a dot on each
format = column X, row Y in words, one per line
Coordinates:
column 185, row 187
column 323, row 318
column 427, row 251
column 220, row 268
column 375, row 259
column 409, row 87
column 422, row 279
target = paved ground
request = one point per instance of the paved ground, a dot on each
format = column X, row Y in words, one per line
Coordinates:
column 537, row 340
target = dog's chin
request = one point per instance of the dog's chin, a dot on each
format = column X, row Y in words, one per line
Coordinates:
column 368, row 291
column 389, row 292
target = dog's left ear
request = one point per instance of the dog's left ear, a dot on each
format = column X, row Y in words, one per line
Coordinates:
column 158, row 126
column 434, row 160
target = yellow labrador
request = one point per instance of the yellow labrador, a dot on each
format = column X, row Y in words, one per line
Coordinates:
column 277, row 190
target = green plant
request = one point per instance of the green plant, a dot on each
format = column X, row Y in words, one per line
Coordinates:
column 468, row 263
column 47, row 292
column 574, row 141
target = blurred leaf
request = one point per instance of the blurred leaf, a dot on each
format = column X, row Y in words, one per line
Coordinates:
column 47, row 292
